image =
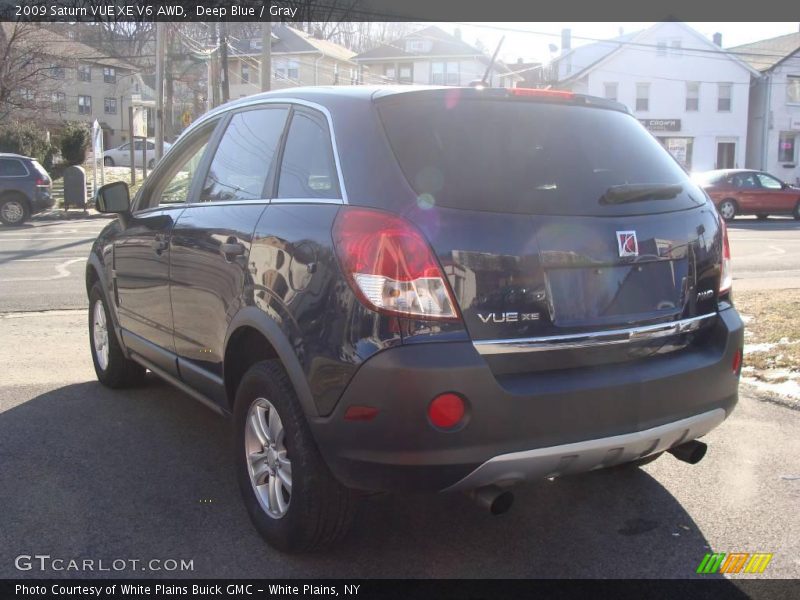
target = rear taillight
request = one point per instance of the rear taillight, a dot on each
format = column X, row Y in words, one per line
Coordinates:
column 43, row 182
column 390, row 265
column 726, row 275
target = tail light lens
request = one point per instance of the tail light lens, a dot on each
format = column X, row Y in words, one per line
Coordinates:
column 43, row 182
column 390, row 265
column 726, row 274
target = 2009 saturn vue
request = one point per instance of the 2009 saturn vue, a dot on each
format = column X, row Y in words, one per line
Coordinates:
column 409, row 288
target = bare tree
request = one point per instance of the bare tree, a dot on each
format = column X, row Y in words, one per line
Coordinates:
column 27, row 72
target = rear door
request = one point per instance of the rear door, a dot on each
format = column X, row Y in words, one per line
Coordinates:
column 212, row 238
column 141, row 271
column 533, row 210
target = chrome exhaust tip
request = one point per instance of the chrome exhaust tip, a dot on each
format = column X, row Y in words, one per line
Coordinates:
column 492, row 498
column 690, row 452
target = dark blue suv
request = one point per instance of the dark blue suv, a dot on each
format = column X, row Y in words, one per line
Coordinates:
column 25, row 188
column 410, row 288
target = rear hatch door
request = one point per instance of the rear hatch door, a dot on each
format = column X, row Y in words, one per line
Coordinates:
column 554, row 219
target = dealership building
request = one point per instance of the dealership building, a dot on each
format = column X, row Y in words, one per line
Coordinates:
column 685, row 88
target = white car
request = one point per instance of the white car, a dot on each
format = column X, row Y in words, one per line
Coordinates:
column 121, row 156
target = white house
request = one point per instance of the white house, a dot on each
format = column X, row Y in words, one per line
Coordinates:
column 689, row 92
column 773, row 138
column 432, row 56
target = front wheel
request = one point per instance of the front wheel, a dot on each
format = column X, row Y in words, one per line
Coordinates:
column 112, row 367
column 292, row 498
column 727, row 208
column 796, row 213
column 108, row 161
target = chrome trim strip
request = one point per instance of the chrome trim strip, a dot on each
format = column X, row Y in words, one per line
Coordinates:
column 590, row 339
column 305, row 201
column 287, row 100
column 589, row 454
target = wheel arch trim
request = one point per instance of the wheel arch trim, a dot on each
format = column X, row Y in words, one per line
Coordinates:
column 251, row 316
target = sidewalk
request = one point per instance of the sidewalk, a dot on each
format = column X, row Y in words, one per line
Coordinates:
column 59, row 214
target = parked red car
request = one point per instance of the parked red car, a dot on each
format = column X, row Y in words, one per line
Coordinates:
column 746, row 192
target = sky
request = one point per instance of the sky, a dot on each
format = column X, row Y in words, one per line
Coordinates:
column 519, row 44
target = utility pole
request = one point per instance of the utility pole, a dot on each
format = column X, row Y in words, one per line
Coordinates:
column 266, row 56
column 213, row 75
column 223, row 54
column 159, row 116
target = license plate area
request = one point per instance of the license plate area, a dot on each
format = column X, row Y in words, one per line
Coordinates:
column 605, row 295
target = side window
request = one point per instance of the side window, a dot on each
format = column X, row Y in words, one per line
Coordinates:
column 243, row 158
column 125, row 147
column 174, row 183
column 11, row 167
column 768, row 182
column 307, row 169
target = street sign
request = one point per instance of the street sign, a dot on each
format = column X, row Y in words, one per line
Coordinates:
column 662, row 124
column 139, row 128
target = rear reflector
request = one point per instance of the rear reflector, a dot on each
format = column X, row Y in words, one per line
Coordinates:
column 360, row 413
column 446, row 410
column 390, row 266
column 537, row 93
column 726, row 274
column 737, row 362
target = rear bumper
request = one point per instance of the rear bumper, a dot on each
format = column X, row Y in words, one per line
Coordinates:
column 590, row 454
column 527, row 425
column 42, row 200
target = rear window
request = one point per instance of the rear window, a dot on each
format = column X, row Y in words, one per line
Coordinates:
column 40, row 169
column 527, row 157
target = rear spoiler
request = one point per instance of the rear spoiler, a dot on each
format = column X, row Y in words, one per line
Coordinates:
column 513, row 94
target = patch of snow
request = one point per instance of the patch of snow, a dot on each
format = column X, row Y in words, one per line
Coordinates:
column 746, row 318
column 787, row 389
column 764, row 347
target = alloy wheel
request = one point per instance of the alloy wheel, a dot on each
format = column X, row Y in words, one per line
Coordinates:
column 100, row 335
column 13, row 211
column 267, row 461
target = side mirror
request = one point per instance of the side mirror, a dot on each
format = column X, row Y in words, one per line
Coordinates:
column 113, row 198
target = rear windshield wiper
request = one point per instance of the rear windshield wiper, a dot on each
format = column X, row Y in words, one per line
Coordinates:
column 637, row 192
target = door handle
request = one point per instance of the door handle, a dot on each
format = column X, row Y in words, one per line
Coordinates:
column 232, row 249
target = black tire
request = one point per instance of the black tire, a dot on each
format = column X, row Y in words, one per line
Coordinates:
column 762, row 217
column 108, row 161
column 796, row 212
column 120, row 372
column 151, row 164
column 14, row 210
column 320, row 509
column 731, row 212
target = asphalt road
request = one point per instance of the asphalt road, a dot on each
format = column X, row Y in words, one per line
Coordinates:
column 143, row 474
column 765, row 254
column 42, row 263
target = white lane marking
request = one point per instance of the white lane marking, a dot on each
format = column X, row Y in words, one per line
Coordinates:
column 44, row 239
column 62, row 271
column 13, row 260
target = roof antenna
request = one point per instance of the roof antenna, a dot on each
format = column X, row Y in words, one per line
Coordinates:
column 483, row 82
